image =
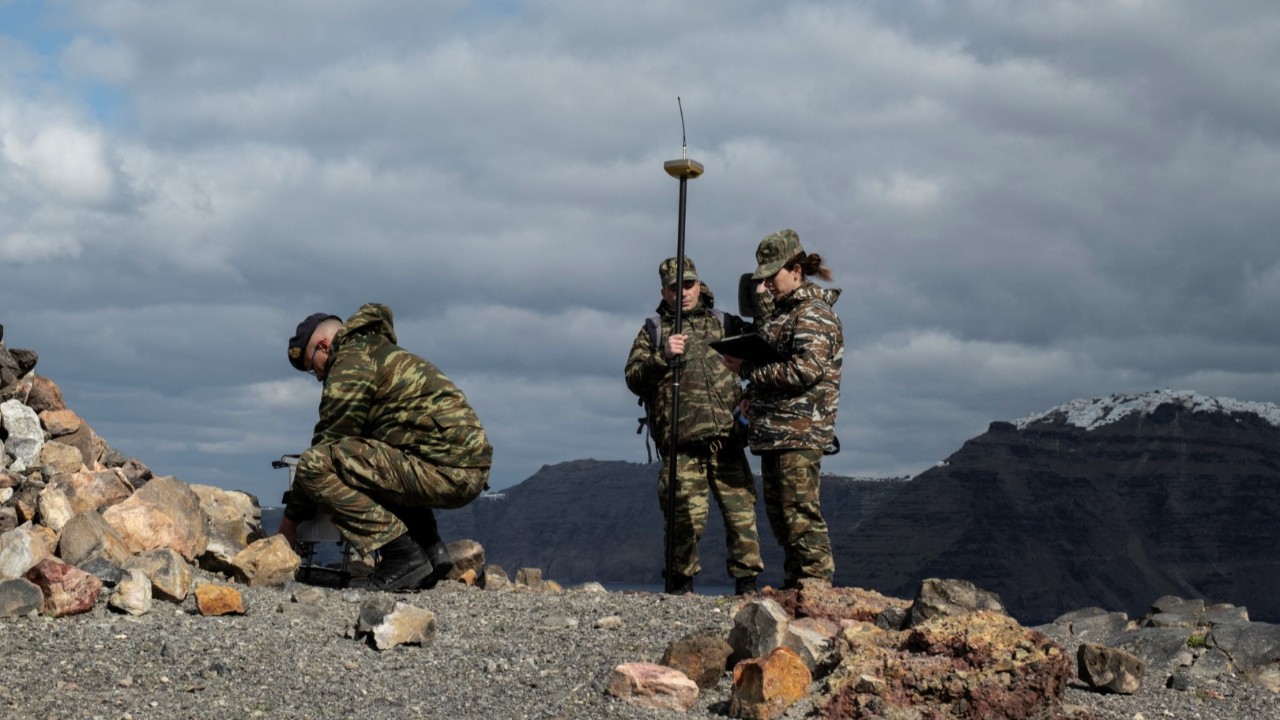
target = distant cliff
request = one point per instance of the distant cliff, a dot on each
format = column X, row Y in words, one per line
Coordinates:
column 1108, row 502
column 599, row 520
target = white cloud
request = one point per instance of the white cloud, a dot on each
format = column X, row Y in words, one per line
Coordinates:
column 62, row 158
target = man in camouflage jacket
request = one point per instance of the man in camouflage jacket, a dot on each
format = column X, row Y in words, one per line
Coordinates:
column 395, row 439
column 704, row 455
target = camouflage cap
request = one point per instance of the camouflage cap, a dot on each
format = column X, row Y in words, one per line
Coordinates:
column 774, row 251
column 667, row 271
column 302, row 336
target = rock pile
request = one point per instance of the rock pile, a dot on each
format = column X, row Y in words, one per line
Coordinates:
column 952, row 652
column 78, row 518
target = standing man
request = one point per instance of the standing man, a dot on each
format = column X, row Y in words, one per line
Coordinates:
column 704, row 454
column 395, row 439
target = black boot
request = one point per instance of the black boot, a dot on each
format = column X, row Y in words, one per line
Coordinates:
column 441, row 564
column 680, row 585
column 402, row 564
column 423, row 529
column 745, row 585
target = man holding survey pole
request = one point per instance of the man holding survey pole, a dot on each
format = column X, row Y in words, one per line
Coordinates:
column 705, row 455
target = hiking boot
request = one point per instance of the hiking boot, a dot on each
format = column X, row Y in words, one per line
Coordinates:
column 402, row 564
column 441, row 564
column 745, row 585
column 681, row 585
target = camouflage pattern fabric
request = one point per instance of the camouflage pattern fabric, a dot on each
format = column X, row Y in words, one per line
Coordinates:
column 794, row 403
column 708, row 391
column 375, row 492
column 726, row 472
column 791, row 486
column 708, row 395
column 391, row 420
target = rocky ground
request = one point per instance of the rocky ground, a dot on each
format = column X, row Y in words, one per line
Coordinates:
column 495, row 655
column 1225, row 698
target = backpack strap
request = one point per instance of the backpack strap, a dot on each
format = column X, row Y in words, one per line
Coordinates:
column 653, row 324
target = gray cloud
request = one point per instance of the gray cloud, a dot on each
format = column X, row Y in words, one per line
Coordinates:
column 1022, row 206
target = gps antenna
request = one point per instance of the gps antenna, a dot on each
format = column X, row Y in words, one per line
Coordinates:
column 683, row 169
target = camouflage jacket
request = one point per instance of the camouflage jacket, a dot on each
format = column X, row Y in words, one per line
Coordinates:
column 794, row 403
column 377, row 390
column 708, row 390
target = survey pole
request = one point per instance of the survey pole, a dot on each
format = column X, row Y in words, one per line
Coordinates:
column 683, row 170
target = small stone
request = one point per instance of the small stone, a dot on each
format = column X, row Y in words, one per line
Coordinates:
column 654, row 686
column 529, row 578
column 1107, row 668
column 132, row 594
column 495, row 578
column 215, row 600
column 19, row 597
column 405, row 625
column 611, row 622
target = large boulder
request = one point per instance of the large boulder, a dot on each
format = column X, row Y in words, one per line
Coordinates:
column 164, row 513
column 67, row 590
column 86, row 536
column 232, row 513
column 266, row 563
column 22, row 548
column 24, row 438
column 91, row 490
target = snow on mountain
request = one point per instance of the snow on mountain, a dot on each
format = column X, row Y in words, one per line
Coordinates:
column 1096, row 412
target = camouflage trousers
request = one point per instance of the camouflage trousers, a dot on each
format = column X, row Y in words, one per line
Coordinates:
column 374, row 492
column 791, row 486
column 724, row 470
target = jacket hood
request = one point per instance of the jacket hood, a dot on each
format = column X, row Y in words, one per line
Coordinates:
column 706, row 301
column 371, row 318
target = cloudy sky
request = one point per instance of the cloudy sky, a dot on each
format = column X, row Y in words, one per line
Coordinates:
column 1024, row 203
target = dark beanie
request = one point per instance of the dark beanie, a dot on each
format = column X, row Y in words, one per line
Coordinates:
column 298, row 343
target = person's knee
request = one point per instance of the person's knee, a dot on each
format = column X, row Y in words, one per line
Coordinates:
column 314, row 465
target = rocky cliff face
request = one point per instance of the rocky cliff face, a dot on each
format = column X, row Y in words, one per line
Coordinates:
column 1107, row 502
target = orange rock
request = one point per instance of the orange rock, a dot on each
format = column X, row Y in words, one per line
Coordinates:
column 60, row 422
column 214, row 600
column 763, row 688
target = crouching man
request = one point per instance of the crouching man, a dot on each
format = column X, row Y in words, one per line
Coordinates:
column 395, row 439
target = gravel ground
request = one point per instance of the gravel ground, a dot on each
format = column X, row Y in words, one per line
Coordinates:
column 495, row 655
